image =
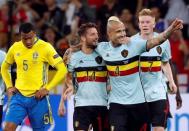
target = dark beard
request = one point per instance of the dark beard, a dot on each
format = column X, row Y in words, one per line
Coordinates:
column 92, row 46
column 117, row 45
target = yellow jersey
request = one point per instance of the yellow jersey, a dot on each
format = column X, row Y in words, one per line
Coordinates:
column 32, row 65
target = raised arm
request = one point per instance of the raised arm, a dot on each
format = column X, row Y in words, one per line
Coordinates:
column 176, row 25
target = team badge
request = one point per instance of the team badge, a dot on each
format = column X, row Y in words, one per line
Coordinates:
column 124, row 53
column 35, row 55
column 76, row 124
column 159, row 50
column 98, row 59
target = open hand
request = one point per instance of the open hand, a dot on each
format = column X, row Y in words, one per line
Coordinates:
column 61, row 109
column 11, row 91
column 172, row 87
column 178, row 101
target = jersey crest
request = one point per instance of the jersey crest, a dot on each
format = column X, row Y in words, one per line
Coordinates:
column 124, row 53
column 159, row 49
column 98, row 59
column 35, row 55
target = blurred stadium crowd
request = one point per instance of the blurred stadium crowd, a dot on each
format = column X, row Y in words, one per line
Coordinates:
column 57, row 21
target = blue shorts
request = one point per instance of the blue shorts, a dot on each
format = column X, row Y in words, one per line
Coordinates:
column 38, row 111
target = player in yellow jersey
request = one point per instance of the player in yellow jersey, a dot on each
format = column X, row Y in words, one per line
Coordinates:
column 28, row 97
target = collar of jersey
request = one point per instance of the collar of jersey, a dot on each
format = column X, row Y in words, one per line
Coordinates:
column 36, row 39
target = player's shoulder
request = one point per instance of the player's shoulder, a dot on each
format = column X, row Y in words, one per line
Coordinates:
column 2, row 52
column 16, row 45
column 136, row 40
column 166, row 43
column 76, row 55
column 103, row 45
column 136, row 36
column 44, row 46
column 43, row 43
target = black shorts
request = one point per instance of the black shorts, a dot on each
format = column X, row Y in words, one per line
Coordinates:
column 87, row 116
column 129, row 117
column 159, row 112
column 169, row 113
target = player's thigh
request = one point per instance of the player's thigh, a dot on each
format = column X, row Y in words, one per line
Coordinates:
column 81, row 119
column 16, row 111
column 40, row 113
column 139, row 117
column 159, row 111
column 118, row 118
column 100, row 122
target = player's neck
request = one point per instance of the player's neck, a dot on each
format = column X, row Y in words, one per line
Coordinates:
column 86, row 49
column 147, row 36
column 115, row 44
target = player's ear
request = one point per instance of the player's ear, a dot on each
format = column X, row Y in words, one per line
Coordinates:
column 108, row 32
column 34, row 33
column 154, row 22
column 83, row 38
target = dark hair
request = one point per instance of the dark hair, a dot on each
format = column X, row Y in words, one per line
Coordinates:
column 26, row 28
column 83, row 28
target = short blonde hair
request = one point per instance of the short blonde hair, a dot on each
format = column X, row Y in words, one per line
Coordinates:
column 114, row 18
column 146, row 12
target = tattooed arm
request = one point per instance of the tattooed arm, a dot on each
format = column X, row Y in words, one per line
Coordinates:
column 176, row 25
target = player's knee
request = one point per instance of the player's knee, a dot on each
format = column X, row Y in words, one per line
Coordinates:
column 10, row 126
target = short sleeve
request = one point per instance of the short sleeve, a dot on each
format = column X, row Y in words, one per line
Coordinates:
column 140, row 45
column 101, row 47
column 166, row 55
column 70, row 67
column 72, row 63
